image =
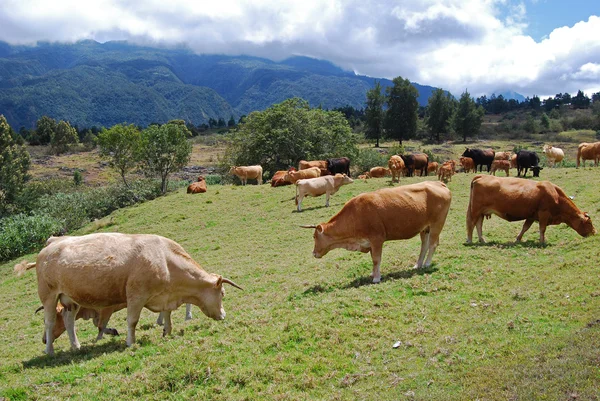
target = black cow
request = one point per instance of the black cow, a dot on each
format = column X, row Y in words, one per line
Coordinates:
column 414, row 162
column 480, row 157
column 340, row 165
column 527, row 159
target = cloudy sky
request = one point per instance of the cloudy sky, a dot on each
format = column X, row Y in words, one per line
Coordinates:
column 538, row 47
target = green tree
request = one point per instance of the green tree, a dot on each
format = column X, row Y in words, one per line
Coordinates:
column 439, row 111
column 44, row 129
column 467, row 117
column 401, row 115
column 374, row 113
column 231, row 122
column 165, row 149
column 121, row 145
column 545, row 121
column 14, row 165
column 285, row 133
column 63, row 138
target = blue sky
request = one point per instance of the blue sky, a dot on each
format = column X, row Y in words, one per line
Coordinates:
column 539, row 47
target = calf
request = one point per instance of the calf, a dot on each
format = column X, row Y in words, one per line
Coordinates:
column 527, row 159
column 396, row 166
column 445, row 172
column 467, row 164
column 433, row 168
column 327, row 185
column 500, row 164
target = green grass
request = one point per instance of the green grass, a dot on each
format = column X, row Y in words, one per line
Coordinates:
column 491, row 322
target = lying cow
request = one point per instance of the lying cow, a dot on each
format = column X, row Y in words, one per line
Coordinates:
column 294, row 176
column 106, row 270
column 513, row 199
column 553, row 155
column 588, row 151
column 527, row 159
column 198, row 187
column 372, row 218
column 244, row 173
column 327, row 185
column 500, row 164
column 278, row 179
column 396, row 166
column 379, row 172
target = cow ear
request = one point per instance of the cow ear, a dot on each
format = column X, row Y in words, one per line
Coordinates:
column 586, row 215
column 320, row 229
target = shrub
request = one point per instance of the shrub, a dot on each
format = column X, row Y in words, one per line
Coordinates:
column 213, row 179
column 77, row 178
column 369, row 158
column 21, row 234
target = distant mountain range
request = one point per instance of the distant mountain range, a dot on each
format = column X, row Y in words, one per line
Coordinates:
column 102, row 84
column 511, row 95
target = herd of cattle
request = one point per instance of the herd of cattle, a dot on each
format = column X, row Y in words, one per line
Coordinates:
column 143, row 270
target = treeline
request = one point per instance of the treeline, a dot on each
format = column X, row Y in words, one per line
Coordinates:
column 498, row 104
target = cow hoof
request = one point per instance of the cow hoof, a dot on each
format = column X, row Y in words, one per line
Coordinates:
column 76, row 347
column 376, row 280
column 112, row 332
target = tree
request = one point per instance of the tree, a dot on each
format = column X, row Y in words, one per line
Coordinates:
column 580, row 101
column 44, row 129
column 439, row 110
column 165, row 149
column 467, row 117
column 231, row 122
column 285, row 133
column 121, row 144
column 374, row 113
column 14, row 165
column 401, row 115
column 63, row 138
column 545, row 121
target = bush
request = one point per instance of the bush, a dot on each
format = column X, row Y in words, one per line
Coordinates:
column 213, row 179
column 21, row 234
column 369, row 158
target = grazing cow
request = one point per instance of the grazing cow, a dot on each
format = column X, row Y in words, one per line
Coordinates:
column 502, row 155
column 396, row 166
column 340, row 165
column 527, row 159
column 248, row 172
column 372, row 218
column 294, row 176
column 433, row 168
column 553, row 155
column 480, row 157
column 379, row 172
column 588, row 151
column 303, row 164
column 198, row 187
column 279, row 180
column 500, row 164
column 105, row 270
column 445, row 172
column 327, row 185
column 513, row 161
column 467, row 164
column 418, row 161
column 513, row 199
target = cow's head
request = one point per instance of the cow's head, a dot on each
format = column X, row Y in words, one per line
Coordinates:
column 346, row 179
column 323, row 242
column 467, row 152
column 232, row 169
column 211, row 298
column 536, row 170
column 59, row 325
column 585, row 227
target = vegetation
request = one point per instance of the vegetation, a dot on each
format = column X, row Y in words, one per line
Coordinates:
column 468, row 117
column 374, row 114
column 401, row 115
column 121, row 145
column 440, row 108
column 14, row 166
column 62, row 139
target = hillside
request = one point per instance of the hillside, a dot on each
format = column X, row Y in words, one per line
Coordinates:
column 90, row 83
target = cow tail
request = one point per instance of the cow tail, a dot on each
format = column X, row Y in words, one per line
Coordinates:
column 578, row 155
column 20, row 268
column 296, row 194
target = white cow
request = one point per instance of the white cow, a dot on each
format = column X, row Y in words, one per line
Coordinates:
column 328, row 185
column 553, row 155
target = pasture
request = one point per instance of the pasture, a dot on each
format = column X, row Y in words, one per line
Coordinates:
column 491, row 322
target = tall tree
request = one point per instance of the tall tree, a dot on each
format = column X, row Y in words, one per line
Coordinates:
column 580, row 101
column 121, row 145
column 467, row 117
column 401, row 116
column 14, row 165
column 439, row 110
column 374, row 113
column 63, row 137
column 44, row 129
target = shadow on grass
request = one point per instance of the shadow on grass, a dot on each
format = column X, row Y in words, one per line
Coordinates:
column 316, row 207
column 508, row 245
column 402, row 274
column 86, row 352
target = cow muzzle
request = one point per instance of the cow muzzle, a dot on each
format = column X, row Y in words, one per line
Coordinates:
column 317, row 255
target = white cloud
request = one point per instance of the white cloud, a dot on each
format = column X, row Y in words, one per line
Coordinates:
column 454, row 44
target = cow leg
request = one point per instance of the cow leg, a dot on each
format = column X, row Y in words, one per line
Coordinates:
column 103, row 318
column 424, row 246
column 299, row 198
column 376, row 249
column 479, row 226
column 526, row 226
column 434, row 240
column 160, row 318
column 188, row 311
column 69, row 314
column 327, row 199
column 167, row 328
column 134, row 309
column 49, row 322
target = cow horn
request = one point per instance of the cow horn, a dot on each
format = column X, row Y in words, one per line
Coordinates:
column 39, row 309
column 226, row 280
column 309, row 226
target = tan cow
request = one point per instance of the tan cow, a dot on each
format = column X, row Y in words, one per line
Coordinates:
column 372, row 218
column 198, row 187
column 396, row 166
column 513, row 161
column 446, row 172
column 278, row 179
column 514, row 199
column 248, row 172
column 502, row 155
column 294, row 176
column 379, row 172
column 321, row 164
column 553, row 155
column 467, row 164
column 433, row 168
column 500, row 164
column 588, row 151
column 104, row 270
column 327, row 185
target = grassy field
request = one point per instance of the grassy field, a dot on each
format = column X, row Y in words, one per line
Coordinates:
column 490, row 322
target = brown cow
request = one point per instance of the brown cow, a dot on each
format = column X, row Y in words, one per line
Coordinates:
column 248, row 172
column 321, row 164
column 372, row 218
column 500, row 164
column 198, row 187
column 379, row 172
column 396, row 165
column 588, row 151
column 433, row 168
column 467, row 164
column 279, row 180
column 445, row 172
column 502, row 155
column 294, row 176
column 514, row 199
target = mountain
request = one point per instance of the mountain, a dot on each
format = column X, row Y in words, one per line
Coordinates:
column 511, row 95
column 90, row 83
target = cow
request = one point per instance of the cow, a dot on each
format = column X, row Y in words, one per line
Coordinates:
column 513, row 161
column 500, row 164
column 372, row 218
column 198, row 187
column 278, row 179
column 321, row 164
column 248, row 172
column 527, row 159
column 396, row 166
column 588, row 151
column 433, row 168
column 480, row 157
column 513, row 199
column 327, row 185
column 379, row 172
column 553, row 155
column 418, row 161
column 467, row 164
column 340, row 165
column 502, row 155
column 364, row 176
column 105, row 270
column 445, row 172
column 294, row 176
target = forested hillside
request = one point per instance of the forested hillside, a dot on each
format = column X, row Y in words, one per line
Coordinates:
column 89, row 83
